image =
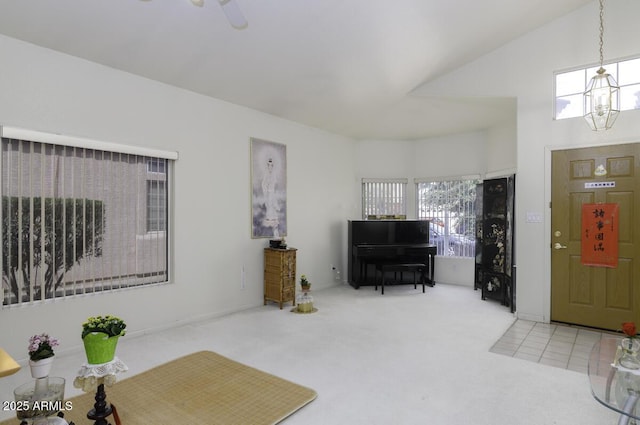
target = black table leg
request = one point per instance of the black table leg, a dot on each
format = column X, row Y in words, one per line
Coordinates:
column 101, row 409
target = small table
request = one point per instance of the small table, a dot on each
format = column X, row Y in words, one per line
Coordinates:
column 93, row 377
column 304, row 303
column 613, row 385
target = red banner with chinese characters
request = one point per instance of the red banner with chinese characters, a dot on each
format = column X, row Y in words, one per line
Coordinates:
column 600, row 235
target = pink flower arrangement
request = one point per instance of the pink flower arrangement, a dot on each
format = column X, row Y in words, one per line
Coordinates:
column 41, row 347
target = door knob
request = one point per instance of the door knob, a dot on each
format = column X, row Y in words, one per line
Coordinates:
column 557, row 245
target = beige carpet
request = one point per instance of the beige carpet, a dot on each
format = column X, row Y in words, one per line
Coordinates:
column 201, row 388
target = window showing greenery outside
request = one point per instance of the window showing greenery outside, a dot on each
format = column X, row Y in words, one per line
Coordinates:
column 450, row 208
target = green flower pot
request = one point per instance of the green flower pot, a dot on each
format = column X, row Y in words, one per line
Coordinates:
column 99, row 347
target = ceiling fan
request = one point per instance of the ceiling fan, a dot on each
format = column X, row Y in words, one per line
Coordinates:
column 231, row 10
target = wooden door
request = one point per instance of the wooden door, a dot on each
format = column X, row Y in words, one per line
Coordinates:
column 586, row 295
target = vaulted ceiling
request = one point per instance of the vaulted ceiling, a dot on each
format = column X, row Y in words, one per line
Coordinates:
column 346, row 66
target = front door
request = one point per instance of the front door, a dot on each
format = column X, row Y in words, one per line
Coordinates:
column 586, row 295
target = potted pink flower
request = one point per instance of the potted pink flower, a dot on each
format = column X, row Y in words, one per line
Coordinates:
column 41, row 354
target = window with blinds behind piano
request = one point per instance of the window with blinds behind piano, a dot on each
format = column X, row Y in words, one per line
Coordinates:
column 384, row 198
column 450, row 207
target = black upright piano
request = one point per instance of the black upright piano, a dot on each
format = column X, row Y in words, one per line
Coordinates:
column 372, row 242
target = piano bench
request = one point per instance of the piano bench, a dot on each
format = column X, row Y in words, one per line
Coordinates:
column 401, row 267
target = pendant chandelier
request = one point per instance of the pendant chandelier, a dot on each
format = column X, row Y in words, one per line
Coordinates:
column 601, row 97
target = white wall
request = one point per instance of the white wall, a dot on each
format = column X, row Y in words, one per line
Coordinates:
column 501, row 148
column 48, row 91
column 524, row 69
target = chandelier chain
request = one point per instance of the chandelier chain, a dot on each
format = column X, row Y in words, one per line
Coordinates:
column 601, row 32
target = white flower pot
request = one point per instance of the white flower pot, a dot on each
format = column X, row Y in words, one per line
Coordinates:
column 41, row 368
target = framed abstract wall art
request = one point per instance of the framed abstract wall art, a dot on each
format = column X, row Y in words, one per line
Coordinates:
column 268, row 189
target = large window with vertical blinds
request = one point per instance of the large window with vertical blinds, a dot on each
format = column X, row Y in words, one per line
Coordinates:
column 384, row 197
column 80, row 216
column 450, row 206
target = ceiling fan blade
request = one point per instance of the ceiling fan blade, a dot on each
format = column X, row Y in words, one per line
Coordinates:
column 231, row 10
column 233, row 13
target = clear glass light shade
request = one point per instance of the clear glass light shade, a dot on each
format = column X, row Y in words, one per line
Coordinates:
column 601, row 101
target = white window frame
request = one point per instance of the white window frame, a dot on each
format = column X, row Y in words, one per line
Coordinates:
column 630, row 81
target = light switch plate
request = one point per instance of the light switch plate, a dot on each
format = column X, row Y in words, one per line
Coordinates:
column 534, row 217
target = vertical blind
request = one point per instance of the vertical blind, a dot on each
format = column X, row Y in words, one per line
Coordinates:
column 78, row 220
column 384, row 197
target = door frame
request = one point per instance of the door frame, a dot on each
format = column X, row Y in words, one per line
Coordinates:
column 546, row 298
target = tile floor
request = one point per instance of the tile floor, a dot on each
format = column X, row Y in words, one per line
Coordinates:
column 558, row 345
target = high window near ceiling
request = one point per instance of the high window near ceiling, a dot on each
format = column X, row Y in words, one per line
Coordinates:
column 81, row 217
column 450, row 207
column 570, row 86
